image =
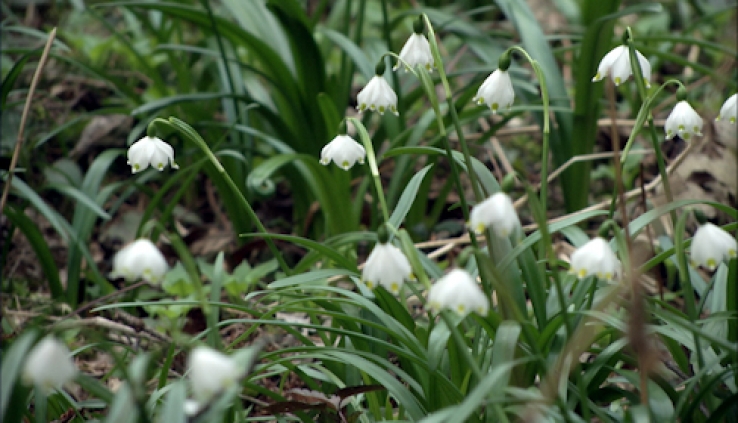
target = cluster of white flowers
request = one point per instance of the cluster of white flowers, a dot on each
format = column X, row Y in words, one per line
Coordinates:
column 140, row 260
column 711, row 245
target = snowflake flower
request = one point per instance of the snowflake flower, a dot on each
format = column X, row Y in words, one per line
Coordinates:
column 497, row 212
column 49, row 365
column 386, row 266
column 150, row 151
column 140, row 260
column 458, row 291
column 616, row 63
column 210, row 373
column 728, row 111
column 496, row 91
column 683, row 121
column 378, row 96
column 344, row 151
column 711, row 245
column 595, row 258
column 416, row 52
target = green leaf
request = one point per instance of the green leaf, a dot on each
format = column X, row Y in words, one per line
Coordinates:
column 310, row 278
column 81, row 198
column 154, row 106
column 408, row 197
column 339, row 258
column 13, row 360
column 40, row 247
column 173, row 409
column 353, row 51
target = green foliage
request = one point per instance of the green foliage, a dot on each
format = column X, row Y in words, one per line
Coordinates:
column 248, row 94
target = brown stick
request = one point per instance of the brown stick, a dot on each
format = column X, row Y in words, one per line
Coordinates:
column 24, row 116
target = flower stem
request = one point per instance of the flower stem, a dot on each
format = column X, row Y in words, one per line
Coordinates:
column 478, row 195
column 643, row 92
column 461, row 344
column 371, row 158
column 189, row 133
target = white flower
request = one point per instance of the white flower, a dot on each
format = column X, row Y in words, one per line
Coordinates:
column 616, row 63
column 210, row 373
column 140, row 260
column 458, row 291
column 711, row 245
column 729, row 109
column 416, row 52
column 49, row 365
column 386, row 266
column 150, row 151
column 595, row 258
column 377, row 96
column 496, row 211
column 684, row 121
column 344, row 151
column 496, row 91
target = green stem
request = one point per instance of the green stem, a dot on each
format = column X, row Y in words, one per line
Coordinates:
column 546, row 123
column 387, row 33
column 189, row 133
column 41, row 405
column 476, row 187
column 643, row 92
column 645, row 114
column 462, row 347
column 371, row 158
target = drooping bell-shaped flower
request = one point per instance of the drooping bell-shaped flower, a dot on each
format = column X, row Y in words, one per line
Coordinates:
column 377, row 95
column 416, row 51
column 595, row 258
column 616, row 63
column 496, row 212
column 211, row 372
column 683, row 121
column 140, row 260
column 150, row 151
column 728, row 111
column 711, row 245
column 343, row 151
column 496, row 91
column 386, row 266
column 458, row 291
column 49, row 365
